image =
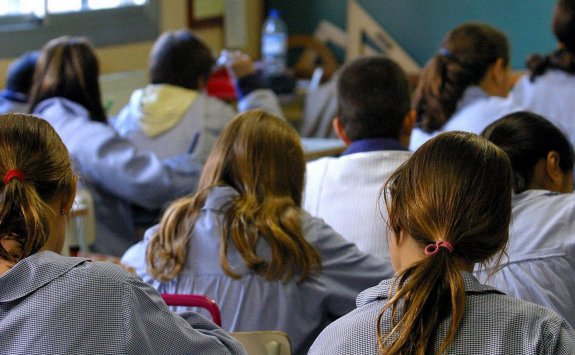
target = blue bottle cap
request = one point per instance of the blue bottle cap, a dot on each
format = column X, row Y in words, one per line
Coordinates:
column 274, row 13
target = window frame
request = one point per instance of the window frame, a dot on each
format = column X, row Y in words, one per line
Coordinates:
column 104, row 27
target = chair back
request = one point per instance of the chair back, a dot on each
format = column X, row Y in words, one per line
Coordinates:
column 267, row 342
column 195, row 301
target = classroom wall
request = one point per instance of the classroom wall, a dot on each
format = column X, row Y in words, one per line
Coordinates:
column 419, row 25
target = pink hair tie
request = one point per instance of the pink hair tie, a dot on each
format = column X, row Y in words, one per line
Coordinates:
column 432, row 249
column 11, row 174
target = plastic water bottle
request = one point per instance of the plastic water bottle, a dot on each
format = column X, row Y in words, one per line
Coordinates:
column 274, row 44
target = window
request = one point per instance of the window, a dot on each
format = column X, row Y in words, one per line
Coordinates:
column 28, row 24
column 39, row 8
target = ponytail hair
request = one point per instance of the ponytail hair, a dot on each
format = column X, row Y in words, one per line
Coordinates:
column 29, row 145
column 466, row 54
column 259, row 156
column 455, row 188
column 563, row 58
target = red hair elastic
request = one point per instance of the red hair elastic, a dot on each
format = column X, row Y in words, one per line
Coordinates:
column 11, row 174
column 432, row 249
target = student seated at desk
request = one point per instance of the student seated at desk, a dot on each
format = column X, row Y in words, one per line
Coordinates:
column 244, row 241
column 66, row 93
column 173, row 114
column 14, row 97
column 541, row 251
column 375, row 125
column 51, row 304
column 464, row 86
column 449, row 207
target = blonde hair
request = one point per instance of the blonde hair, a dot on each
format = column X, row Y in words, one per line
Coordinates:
column 456, row 187
column 260, row 156
column 29, row 144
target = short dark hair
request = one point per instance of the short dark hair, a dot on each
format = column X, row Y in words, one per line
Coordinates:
column 180, row 58
column 527, row 138
column 373, row 98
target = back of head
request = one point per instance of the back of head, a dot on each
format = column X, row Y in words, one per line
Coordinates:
column 36, row 168
column 260, row 156
column 455, row 188
column 466, row 54
column 564, row 23
column 180, row 58
column 373, row 98
column 68, row 68
column 564, row 57
column 257, row 154
column 20, row 73
column 527, row 138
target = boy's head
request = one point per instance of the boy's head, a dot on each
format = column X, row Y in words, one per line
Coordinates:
column 180, row 58
column 373, row 99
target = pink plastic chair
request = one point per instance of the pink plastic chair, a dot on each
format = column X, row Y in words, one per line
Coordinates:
column 195, row 301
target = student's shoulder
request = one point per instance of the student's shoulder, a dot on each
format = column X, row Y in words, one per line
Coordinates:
column 353, row 333
column 102, row 273
column 517, row 313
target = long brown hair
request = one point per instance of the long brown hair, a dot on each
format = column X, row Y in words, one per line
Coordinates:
column 68, row 68
column 466, row 54
column 260, row 156
column 457, row 187
column 30, row 144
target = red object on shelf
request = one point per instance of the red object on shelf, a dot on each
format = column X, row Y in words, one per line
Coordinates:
column 195, row 301
column 221, row 85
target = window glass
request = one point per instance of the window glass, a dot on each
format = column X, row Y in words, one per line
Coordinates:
column 28, row 24
column 38, row 8
column 22, row 7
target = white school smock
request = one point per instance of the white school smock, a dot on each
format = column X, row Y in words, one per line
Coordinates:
column 475, row 111
column 345, row 192
column 541, row 252
column 551, row 95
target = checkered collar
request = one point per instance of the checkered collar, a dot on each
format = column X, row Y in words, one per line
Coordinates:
column 33, row 272
column 381, row 291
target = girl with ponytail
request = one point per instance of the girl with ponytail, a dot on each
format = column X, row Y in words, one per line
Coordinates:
column 464, row 86
column 244, row 241
column 51, row 304
column 549, row 88
column 449, row 208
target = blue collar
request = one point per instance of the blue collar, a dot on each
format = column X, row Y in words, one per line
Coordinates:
column 373, row 144
column 14, row 96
